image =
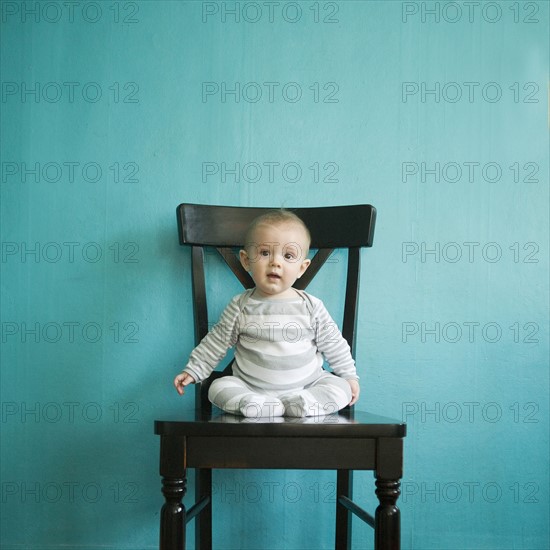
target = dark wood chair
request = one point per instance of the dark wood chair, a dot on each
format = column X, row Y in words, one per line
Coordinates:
column 349, row 440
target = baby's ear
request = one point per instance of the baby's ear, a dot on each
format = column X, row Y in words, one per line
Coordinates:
column 245, row 260
column 303, row 267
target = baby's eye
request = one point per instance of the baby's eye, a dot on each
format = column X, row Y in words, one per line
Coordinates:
column 264, row 252
column 289, row 256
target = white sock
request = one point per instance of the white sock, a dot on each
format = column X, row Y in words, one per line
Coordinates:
column 261, row 406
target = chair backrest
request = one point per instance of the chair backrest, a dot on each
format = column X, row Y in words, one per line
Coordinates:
column 224, row 228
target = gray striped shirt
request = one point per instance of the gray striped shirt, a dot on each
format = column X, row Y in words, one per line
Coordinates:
column 279, row 344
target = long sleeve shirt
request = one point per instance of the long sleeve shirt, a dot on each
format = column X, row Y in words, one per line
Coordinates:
column 279, row 344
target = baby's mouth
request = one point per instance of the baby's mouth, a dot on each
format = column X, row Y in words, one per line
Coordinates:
column 273, row 276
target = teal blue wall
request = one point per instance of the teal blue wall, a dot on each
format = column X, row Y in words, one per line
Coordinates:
column 112, row 114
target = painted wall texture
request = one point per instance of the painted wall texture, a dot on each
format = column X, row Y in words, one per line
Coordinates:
column 114, row 112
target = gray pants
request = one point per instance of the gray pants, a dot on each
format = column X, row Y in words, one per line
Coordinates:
column 328, row 394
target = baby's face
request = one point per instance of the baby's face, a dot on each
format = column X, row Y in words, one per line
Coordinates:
column 276, row 258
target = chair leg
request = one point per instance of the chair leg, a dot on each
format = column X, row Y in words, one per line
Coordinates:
column 387, row 529
column 174, row 486
column 172, row 515
column 344, row 486
column 203, row 522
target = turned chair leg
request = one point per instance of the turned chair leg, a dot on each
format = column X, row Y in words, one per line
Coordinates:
column 172, row 515
column 174, row 487
column 387, row 530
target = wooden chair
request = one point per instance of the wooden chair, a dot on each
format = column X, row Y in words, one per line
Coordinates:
column 347, row 441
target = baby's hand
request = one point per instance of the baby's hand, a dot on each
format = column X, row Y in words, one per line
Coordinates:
column 355, row 391
column 182, row 380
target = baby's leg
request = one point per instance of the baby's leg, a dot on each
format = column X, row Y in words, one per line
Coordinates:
column 326, row 395
column 234, row 396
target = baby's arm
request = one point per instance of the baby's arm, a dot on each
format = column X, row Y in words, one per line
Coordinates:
column 335, row 349
column 211, row 350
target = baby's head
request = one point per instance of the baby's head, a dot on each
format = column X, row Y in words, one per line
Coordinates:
column 275, row 252
column 278, row 218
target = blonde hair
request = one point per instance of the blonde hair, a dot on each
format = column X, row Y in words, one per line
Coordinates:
column 275, row 217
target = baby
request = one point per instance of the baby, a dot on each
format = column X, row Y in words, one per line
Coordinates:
column 280, row 335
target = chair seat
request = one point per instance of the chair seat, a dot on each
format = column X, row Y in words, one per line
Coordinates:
column 347, row 440
column 346, row 423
